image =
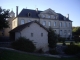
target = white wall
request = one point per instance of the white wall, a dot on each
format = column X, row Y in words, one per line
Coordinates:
column 14, row 23
column 17, row 35
column 41, row 42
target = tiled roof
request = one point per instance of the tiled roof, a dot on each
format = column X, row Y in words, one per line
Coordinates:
column 21, row 27
column 34, row 14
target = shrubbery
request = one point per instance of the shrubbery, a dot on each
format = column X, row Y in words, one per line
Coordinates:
column 72, row 43
column 39, row 51
column 61, row 39
column 64, row 44
column 23, row 44
column 53, row 52
column 72, row 49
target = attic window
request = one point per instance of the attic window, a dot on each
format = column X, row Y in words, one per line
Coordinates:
column 64, row 18
column 29, row 14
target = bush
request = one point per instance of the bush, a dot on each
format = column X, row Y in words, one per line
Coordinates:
column 23, row 44
column 64, row 44
column 39, row 51
column 53, row 52
column 61, row 39
column 72, row 49
column 72, row 43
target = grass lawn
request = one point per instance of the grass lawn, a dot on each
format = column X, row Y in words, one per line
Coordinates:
column 13, row 55
column 67, row 43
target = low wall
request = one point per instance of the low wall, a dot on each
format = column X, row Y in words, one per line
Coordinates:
column 5, row 44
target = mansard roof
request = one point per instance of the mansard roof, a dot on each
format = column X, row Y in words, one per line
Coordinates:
column 34, row 14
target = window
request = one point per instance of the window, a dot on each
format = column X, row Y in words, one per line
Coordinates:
column 41, row 34
column 53, row 17
column 49, row 23
column 43, row 16
column 44, row 23
column 48, row 16
column 69, row 32
column 29, row 20
column 56, row 17
column 54, row 23
column 60, row 24
column 65, row 24
column 64, row 18
column 22, row 21
column 65, row 32
column 69, row 24
column 60, row 32
column 31, row 34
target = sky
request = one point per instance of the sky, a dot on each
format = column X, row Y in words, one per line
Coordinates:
column 71, row 7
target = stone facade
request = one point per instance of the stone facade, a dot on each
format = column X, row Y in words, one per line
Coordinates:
column 38, row 40
column 49, row 18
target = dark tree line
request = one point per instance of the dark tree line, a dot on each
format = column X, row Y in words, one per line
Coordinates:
column 4, row 14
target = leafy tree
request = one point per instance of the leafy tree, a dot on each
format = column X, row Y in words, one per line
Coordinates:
column 76, row 30
column 4, row 14
column 52, row 38
column 76, row 33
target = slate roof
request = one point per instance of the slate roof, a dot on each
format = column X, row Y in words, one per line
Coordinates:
column 24, row 13
column 34, row 14
column 21, row 27
column 61, row 17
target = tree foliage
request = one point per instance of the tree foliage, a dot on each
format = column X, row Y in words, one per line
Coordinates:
column 4, row 14
column 23, row 44
column 52, row 38
column 76, row 33
column 76, row 30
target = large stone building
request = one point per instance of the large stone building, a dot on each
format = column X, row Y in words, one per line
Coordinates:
column 48, row 18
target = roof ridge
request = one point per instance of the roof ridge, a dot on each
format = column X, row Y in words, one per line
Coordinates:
column 30, row 9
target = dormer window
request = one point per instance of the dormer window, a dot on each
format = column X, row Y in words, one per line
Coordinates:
column 29, row 20
column 64, row 18
column 43, row 16
column 22, row 21
column 49, row 16
column 29, row 14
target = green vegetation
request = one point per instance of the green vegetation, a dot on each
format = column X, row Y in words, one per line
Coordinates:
column 76, row 34
column 72, row 49
column 23, row 44
column 52, row 38
column 4, row 14
column 13, row 55
column 67, row 43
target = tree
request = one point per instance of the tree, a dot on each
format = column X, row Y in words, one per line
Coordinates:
column 76, row 30
column 4, row 14
column 76, row 33
column 52, row 38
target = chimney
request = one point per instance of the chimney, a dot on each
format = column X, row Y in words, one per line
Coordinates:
column 36, row 9
column 16, row 11
column 67, row 16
